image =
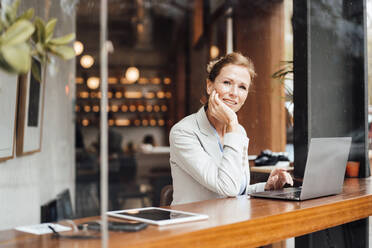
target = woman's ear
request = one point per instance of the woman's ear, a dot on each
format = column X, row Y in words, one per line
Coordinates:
column 210, row 86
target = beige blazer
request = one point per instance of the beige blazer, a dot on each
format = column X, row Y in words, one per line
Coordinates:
column 200, row 170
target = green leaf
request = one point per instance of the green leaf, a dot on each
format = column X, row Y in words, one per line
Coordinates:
column 35, row 70
column 28, row 14
column 63, row 40
column 65, row 52
column 49, row 29
column 17, row 56
column 17, row 33
column 5, row 66
column 40, row 30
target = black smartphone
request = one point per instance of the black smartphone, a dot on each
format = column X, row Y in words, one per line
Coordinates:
column 115, row 226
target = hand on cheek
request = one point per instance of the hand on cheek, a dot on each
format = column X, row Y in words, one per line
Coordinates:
column 221, row 111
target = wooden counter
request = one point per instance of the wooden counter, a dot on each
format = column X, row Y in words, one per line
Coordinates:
column 233, row 222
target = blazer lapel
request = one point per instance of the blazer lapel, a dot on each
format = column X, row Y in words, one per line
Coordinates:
column 208, row 138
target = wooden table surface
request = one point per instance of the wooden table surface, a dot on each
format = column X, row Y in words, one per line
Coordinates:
column 233, row 222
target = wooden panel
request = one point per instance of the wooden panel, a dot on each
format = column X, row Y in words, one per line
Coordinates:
column 259, row 34
column 233, row 222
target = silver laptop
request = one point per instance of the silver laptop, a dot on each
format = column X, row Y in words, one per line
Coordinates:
column 324, row 172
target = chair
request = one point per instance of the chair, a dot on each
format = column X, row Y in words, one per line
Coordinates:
column 166, row 195
column 122, row 182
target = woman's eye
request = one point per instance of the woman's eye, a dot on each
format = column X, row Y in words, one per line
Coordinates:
column 243, row 87
column 226, row 82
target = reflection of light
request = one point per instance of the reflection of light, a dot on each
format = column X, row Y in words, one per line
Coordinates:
column 96, row 108
column 152, row 122
column 78, row 47
column 111, row 122
column 99, row 94
column 123, row 80
column 141, row 108
column 112, row 80
column 137, row 122
column 79, row 80
column 93, row 94
column 84, row 94
column 150, row 95
column 132, row 74
column 109, row 95
column 85, row 122
column 214, row 52
column 133, row 94
column 87, row 108
column 77, row 108
column 86, row 61
column 122, row 122
column 156, row 108
column 164, row 108
column 143, row 80
column 148, row 108
column 67, row 90
column 161, row 122
column 124, row 108
column 168, row 94
column 167, row 80
column 155, row 80
column 145, row 122
column 114, row 108
column 160, row 94
column 93, row 83
column 118, row 94
column 133, row 212
column 132, row 108
column 140, row 28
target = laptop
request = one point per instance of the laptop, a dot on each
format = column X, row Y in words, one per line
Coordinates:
column 324, row 172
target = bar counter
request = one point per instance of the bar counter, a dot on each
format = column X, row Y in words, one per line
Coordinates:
column 233, row 222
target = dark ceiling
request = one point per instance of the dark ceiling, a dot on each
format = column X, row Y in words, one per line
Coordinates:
column 143, row 32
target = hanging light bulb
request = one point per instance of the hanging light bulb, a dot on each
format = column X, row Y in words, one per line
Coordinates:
column 93, row 83
column 78, row 47
column 132, row 74
column 214, row 51
column 86, row 61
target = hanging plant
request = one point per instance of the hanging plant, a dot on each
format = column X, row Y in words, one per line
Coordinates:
column 15, row 31
column 45, row 45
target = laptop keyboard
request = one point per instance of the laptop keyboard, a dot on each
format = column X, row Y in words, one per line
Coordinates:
column 291, row 195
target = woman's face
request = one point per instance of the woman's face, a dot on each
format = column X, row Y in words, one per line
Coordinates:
column 232, row 85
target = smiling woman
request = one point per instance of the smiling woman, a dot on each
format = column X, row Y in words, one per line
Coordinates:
column 209, row 149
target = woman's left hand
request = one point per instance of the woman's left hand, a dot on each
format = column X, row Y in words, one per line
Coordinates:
column 277, row 179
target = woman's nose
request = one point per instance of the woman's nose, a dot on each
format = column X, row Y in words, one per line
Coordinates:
column 234, row 90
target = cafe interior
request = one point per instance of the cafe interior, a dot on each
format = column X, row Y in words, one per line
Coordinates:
column 91, row 135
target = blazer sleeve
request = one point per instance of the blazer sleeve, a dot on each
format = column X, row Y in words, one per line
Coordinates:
column 223, row 177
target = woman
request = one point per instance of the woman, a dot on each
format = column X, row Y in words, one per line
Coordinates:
column 209, row 149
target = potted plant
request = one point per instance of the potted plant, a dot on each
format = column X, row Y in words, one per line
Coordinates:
column 15, row 31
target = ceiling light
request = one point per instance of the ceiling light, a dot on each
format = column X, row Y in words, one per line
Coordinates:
column 109, row 46
column 132, row 74
column 86, row 61
column 214, row 51
column 93, row 83
column 78, row 47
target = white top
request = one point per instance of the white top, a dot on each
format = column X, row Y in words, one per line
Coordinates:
column 200, row 171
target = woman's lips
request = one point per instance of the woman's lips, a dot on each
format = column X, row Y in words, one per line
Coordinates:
column 230, row 102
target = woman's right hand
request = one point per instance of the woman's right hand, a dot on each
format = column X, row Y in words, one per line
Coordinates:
column 222, row 112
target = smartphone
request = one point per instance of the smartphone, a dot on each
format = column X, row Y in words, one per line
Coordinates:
column 115, row 226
